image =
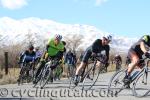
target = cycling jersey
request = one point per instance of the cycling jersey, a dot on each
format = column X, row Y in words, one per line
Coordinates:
column 96, row 47
column 27, row 56
column 136, row 47
column 70, row 58
column 38, row 54
column 53, row 49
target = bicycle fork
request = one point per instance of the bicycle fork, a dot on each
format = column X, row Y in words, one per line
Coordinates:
column 145, row 76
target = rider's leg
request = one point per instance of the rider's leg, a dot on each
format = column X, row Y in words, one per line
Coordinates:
column 134, row 62
column 84, row 61
column 83, row 72
column 57, row 57
column 40, row 66
column 81, row 66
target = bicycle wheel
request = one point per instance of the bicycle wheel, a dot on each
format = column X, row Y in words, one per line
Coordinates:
column 21, row 76
column 141, row 86
column 91, row 77
column 46, row 76
column 40, row 68
column 71, row 81
column 116, row 83
column 29, row 72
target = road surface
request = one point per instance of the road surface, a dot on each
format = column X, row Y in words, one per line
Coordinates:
column 59, row 90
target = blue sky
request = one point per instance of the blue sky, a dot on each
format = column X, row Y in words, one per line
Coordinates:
column 121, row 17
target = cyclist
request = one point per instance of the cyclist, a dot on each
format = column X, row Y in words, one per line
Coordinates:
column 59, row 70
column 118, row 61
column 135, row 54
column 54, row 49
column 70, row 61
column 26, row 57
column 96, row 47
column 38, row 53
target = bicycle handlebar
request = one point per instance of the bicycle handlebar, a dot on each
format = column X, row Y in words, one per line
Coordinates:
column 100, row 57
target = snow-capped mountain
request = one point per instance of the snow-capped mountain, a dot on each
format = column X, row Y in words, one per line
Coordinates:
column 12, row 30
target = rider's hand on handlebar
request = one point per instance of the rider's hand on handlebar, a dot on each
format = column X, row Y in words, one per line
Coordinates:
column 147, row 55
column 93, row 54
column 42, row 60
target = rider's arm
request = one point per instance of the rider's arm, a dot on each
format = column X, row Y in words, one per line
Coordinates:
column 47, row 46
column 94, row 45
column 142, row 46
column 22, row 56
column 107, row 52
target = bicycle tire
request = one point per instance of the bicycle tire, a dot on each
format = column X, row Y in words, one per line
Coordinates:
column 47, row 74
column 114, row 81
column 91, row 77
column 141, row 87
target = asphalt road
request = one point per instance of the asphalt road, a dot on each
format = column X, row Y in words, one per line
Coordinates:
column 59, row 90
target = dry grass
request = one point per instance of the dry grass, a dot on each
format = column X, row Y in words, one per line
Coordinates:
column 11, row 78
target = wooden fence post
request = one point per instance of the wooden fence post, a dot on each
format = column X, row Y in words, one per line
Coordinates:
column 6, row 62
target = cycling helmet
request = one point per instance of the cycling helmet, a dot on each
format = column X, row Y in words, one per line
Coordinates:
column 58, row 37
column 117, row 55
column 30, row 47
column 37, row 48
column 146, row 38
column 109, row 37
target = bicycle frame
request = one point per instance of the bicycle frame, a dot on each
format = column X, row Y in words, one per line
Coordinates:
column 93, row 69
column 144, row 69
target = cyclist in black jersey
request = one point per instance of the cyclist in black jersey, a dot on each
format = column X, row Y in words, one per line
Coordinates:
column 98, row 46
column 135, row 54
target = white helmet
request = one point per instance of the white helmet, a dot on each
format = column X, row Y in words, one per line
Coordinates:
column 109, row 37
column 117, row 55
column 58, row 37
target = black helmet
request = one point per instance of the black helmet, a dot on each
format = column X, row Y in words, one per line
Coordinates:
column 30, row 47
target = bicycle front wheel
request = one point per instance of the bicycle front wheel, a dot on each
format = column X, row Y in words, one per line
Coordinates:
column 141, row 86
column 46, row 77
column 116, row 83
column 91, row 77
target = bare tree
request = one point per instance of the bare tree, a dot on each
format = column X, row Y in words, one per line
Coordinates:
column 73, row 41
column 29, row 38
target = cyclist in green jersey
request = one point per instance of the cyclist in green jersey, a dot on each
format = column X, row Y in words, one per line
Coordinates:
column 54, row 49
